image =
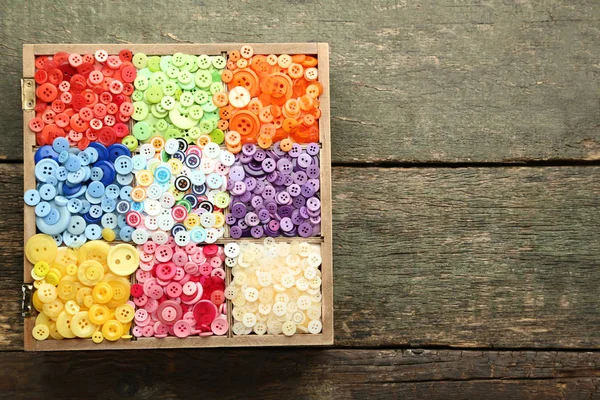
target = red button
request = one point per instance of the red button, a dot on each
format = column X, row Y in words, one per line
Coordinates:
column 47, row 92
column 137, row 290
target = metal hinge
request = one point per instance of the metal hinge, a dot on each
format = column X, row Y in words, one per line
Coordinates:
column 27, row 94
column 26, row 304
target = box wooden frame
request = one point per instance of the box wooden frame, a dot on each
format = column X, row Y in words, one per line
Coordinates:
column 321, row 51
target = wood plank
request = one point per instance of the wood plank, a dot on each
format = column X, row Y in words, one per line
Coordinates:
column 468, row 257
column 427, row 81
column 302, row 374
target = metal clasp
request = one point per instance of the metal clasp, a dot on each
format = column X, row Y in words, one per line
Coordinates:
column 26, row 305
column 27, row 94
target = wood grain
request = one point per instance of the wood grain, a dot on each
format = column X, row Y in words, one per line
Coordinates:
column 301, row 374
column 427, row 81
column 463, row 257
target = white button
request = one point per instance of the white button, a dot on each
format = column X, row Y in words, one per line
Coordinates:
column 238, row 328
column 315, row 327
column 208, row 220
column 249, row 320
column 151, row 222
column 304, row 302
column 182, row 238
column 160, row 237
column 226, row 158
column 239, row 97
column 251, row 294
column 165, row 222
column 207, row 165
column 260, row 328
column 147, row 151
column 212, row 150
column 139, row 236
column 288, row 328
column 154, row 191
column 167, row 200
column 152, row 207
column 279, row 309
column 171, row 146
column 232, row 249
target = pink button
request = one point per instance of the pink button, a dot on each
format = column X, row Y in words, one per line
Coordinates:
column 204, row 334
column 160, row 329
column 146, row 257
column 174, row 289
column 148, row 284
column 179, row 274
column 206, row 269
column 191, row 248
column 171, row 242
column 180, row 258
column 198, row 257
column 216, row 262
column 146, row 266
column 161, row 282
column 190, row 288
column 184, row 280
column 137, row 331
column 147, row 331
column 168, row 313
column 156, row 292
column 191, row 268
column 142, row 276
column 149, row 247
column 141, row 300
column 220, row 272
column 165, row 271
column 182, row 329
column 163, row 253
column 151, row 305
column 141, row 315
column 219, row 326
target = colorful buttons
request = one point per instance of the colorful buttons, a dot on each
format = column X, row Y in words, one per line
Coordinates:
column 76, row 295
column 276, row 288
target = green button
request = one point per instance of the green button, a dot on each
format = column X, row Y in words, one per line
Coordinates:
column 194, row 133
column 203, row 78
column 178, row 59
column 216, row 87
column 216, row 75
column 172, row 133
column 191, row 63
column 158, row 78
column 154, row 63
column 217, row 136
column 201, row 97
column 195, row 112
column 221, row 200
column 161, row 125
column 142, row 131
column 212, row 116
column 167, row 102
column 153, row 95
column 140, row 60
column 172, row 72
column 186, row 99
column 140, row 110
column 203, row 61
column 219, row 62
column 137, row 95
column 165, row 62
column 141, row 83
column 206, row 127
column 185, row 77
column 169, row 88
column 158, row 111
column 130, row 142
column 209, row 106
column 180, row 120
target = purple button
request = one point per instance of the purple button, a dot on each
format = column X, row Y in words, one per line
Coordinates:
column 314, row 183
column 314, row 213
column 272, row 177
column 274, row 225
column 285, row 166
column 252, row 219
column 280, row 179
column 304, row 160
column 297, row 218
column 307, row 190
column 238, row 210
column 269, row 193
column 313, row 204
column 244, row 159
column 264, row 216
column 283, row 197
column 257, row 201
column 239, row 188
column 313, row 171
column 294, row 190
column 315, row 220
column 312, row 149
column 300, row 177
column 288, row 180
column 250, row 183
column 305, row 230
column 257, row 231
column 230, row 219
column 277, row 149
column 286, row 224
column 304, row 212
column 271, row 207
column 260, row 186
column 235, row 232
column 242, row 224
column 237, row 173
column 299, row 201
column 246, row 197
column 285, row 211
column 295, row 151
column 268, row 165
column 259, row 155
column 249, row 149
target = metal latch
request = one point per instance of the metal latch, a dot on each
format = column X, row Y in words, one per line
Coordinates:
column 26, row 305
column 27, row 94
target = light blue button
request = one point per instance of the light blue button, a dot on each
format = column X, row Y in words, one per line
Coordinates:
column 78, row 193
column 109, row 220
column 93, row 232
column 73, row 240
column 92, row 153
column 42, row 209
column 61, row 174
column 59, row 226
column 95, row 211
column 121, row 220
column 58, row 239
column 63, row 156
column 112, row 191
column 162, row 174
column 96, row 174
column 108, row 205
column 74, row 206
column 60, row 144
column 32, row 197
column 123, row 207
column 123, row 165
column 139, row 162
column 87, row 171
column 125, row 233
column 197, row 178
column 85, row 207
column 198, row 235
column 85, row 158
column 125, row 193
column 135, row 206
column 47, row 191
column 214, row 180
column 61, row 201
column 52, row 217
column 76, row 177
column 96, row 189
column 51, row 180
column 76, row 225
column 73, row 163
column 124, row 180
column 45, row 168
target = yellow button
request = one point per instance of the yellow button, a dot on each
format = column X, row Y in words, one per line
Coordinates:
column 47, row 293
column 41, row 332
column 53, row 277
column 138, row 194
column 108, row 234
column 37, row 303
column 121, row 289
column 144, row 178
column 63, row 325
column 97, row 337
column 123, row 260
column 88, row 300
column 219, row 219
column 96, row 250
column 53, row 309
column 71, row 307
column 124, row 313
column 43, row 319
column 102, row 292
column 40, row 247
column 191, row 221
column 112, row 330
column 54, row 334
column 71, row 269
column 176, row 165
column 90, row 272
column 41, row 268
column 81, row 293
column 99, row 314
column 64, row 257
column 81, row 325
column 66, row 289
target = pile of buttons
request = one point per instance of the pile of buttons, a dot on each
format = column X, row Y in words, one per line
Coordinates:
column 173, row 97
column 81, row 293
column 181, row 193
column 270, row 98
column 275, row 191
column 276, row 287
column 180, row 291
column 81, row 195
column 83, row 97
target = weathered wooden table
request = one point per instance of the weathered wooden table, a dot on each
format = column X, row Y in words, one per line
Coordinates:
column 466, row 148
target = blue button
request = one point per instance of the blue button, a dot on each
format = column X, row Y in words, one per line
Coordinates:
column 198, row 190
column 85, row 207
column 89, row 219
column 125, row 233
column 51, row 180
column 198, row 235
column 58, row 239
column 125, row 193
column 179, row 155
column 108, row 172
column 76, row 225
column 73, row 163
column 45, row 152
column 162, row 174
column 63, row 156
column 108, row 205
column 124, row 180
column 97, row 173
column 43, row 209
column 93, row 232
column 69, row 190
column 73, row 240
column 32, row 197
column 52, row 217
column 135, row 206
column 123, row 165
column 92, row 153
column 102, row 151
column 177, row 228
column 61, row 201
column 47, row 191
column 61, row 174
column 44, row 169
column 192, row 199
column 123, row 207
column 85, row 158
column 60, row 144
column 192, row 160
column 96, row 189
column 95, row 211
column 76, row 176
column 112, row 191
column 109, row 220
column 121, row 220
column 139, row 162
column 74, row 206
column 117, row 150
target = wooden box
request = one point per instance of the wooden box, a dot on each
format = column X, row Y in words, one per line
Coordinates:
column 319, row 50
